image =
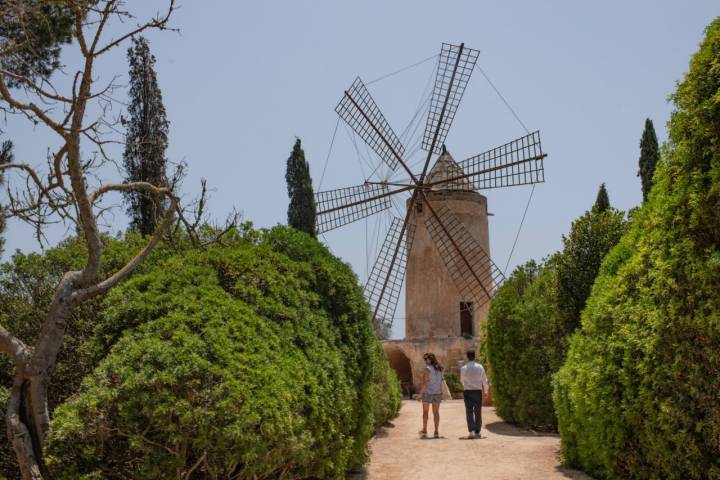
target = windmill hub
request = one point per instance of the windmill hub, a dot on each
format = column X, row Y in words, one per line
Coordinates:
column 441, row 244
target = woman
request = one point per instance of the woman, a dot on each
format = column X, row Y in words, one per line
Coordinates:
column 431, row 392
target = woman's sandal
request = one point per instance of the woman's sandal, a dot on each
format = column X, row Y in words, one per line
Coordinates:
column 436, row 435
column 423, row 435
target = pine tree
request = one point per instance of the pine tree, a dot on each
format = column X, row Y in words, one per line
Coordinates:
column 649, row 157
column 602, row 202
column 301, row 210
column 147, row 138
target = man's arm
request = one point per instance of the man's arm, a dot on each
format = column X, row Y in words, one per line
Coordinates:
column 462, row 376
column 485, row 383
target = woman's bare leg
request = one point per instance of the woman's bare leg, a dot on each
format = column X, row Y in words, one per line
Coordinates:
column 426, row 408
column 436, row 415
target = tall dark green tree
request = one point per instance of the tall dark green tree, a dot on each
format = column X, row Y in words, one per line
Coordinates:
column 649, row 157
column 6, row 156
column 301, row 210
column 602, row 202
column 147, row 139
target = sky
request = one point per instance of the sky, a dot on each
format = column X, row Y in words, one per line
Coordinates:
column 241, row 80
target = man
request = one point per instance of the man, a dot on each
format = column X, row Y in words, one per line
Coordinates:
column 475, row 388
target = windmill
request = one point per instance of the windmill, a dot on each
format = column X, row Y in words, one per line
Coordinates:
column 467, row 263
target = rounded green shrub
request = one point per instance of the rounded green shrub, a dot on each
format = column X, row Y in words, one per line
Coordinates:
column 637, row 397
column 255, row 360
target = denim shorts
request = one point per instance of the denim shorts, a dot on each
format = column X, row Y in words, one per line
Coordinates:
column 432, row 397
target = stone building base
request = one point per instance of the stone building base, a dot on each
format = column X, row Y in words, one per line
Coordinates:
column 406, row 357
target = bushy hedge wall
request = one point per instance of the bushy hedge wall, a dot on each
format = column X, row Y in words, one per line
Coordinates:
column 253, row 361
column 524, row 345
column 638, row 395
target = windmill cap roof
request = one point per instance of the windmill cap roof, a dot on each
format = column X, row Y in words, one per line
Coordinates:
column 445, row 168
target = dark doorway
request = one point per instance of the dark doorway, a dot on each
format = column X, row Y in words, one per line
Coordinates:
column 466, row 319
column 401, row 364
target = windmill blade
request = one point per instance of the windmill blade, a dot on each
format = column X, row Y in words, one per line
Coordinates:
column 471, row 269
column 384, row 284
column 454, row 69
column 335, row 208
column 519, row 162
column 358, row 109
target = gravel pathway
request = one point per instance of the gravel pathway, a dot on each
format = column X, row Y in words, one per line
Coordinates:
column 505, row 452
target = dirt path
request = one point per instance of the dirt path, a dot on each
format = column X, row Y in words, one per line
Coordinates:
column 505, row 452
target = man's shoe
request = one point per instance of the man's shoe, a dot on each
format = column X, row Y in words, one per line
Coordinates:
column 471, row 436
column 477, row 435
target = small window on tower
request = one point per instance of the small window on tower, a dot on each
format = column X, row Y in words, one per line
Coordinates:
column 466, row 319
column 418, row 207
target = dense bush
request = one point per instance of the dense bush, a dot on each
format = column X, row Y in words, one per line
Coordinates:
column 536, row 309
column 525, row 345
column 638, row 395
column 255, row 360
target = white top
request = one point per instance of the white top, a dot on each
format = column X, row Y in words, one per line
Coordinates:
column 473, row 377
column 435, row 378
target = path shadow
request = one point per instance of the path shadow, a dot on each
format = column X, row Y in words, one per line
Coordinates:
column 503, row 428
column 360, row 475
column 573, row 474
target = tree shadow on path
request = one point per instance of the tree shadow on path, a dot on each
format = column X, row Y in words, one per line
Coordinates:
column 503, row 428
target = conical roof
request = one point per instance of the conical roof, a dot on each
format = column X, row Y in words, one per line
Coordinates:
column 447, row 168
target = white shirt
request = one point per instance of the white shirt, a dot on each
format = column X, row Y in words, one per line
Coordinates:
column 473, row 377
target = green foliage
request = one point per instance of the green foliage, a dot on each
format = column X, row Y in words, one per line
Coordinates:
column 386, row 392
column 146, row 139
column 638, row 396
column 591, row 237
column 301, row 210
column 453, row 382
column 27, row 285
column 525, row 345
column 32, row 33
column 602, row 202
column 254, row 360
column 6, row 156
column 534, row 312
column 649, row 158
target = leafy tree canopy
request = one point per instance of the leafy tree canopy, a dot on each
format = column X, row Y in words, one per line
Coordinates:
column 32, row 33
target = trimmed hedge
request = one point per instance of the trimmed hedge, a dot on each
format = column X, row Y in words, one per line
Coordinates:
column 257, row 357
column 638, row 396
column 255, row 361
column 524, row 345
column 534, row 312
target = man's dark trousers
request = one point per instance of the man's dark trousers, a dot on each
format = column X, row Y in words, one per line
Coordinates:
column 473, row 409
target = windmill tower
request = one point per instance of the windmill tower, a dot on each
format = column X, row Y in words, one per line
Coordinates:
column 434, row 307
column 442, row 239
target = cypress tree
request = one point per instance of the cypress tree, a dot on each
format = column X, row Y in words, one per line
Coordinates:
column 649, row 157
column 6, row 156
column 301, row 210
column 602, row 203
column 146, row 140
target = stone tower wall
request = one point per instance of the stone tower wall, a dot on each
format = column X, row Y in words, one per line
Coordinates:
column 432, row 302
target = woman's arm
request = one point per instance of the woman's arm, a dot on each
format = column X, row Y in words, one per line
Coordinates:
column 425, row 380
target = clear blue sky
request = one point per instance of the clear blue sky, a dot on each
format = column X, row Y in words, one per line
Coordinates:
column 243, row 79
